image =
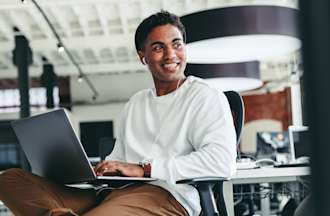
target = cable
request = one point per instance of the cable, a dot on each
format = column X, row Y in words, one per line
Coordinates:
column 61, row 45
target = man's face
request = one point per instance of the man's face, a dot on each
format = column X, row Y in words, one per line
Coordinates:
column 165, row 53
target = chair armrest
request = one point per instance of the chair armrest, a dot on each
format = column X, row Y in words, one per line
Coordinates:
column 197, row 180
column 206, row 186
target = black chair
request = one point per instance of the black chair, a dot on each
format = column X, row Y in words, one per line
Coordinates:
column 210, row 189
column 106, row 145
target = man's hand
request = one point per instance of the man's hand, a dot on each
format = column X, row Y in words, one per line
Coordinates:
column 118, row 168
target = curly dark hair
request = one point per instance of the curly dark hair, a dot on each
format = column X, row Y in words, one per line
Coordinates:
column 158, row 19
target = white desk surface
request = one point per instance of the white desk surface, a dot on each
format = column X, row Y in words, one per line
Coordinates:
column 269, row 174
column 261, row 175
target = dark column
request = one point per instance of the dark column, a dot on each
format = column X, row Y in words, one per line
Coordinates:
column 22, row 58
column 48, row 80
column 316, row 58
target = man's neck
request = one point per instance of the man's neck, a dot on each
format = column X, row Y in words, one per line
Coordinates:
column 163, row 88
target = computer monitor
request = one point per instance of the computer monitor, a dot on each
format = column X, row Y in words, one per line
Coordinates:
column 93, row 136
column 299, row 142
column 269, row 144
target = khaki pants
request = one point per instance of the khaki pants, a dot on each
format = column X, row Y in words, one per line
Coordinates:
column 27, row 194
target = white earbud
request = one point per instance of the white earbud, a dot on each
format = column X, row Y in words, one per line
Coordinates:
column 143, row 61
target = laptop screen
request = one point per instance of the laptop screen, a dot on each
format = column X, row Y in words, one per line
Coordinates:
column 52, row 147
column 270, row 144
column 299, row 142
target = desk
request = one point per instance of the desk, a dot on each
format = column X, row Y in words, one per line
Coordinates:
column 260, row 175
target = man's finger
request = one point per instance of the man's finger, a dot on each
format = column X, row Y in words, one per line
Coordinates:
column 100, row 165
column 106, row 168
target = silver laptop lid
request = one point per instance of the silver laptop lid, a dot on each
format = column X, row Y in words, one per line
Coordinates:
column 53, row 148
column 294, row 142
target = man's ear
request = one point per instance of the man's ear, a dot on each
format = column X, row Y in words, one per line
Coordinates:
column 142, row 58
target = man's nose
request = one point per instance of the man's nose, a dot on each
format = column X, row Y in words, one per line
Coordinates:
column 170, row 53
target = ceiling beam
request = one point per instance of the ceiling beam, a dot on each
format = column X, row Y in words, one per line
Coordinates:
column 20, row 23
column 6, row 29
column 103, row 18
column 60, row 19
column 88, row 69
column 10, row 4
column 49, row 54
column 123, row 8
column 81, row 19
column 7, row 61
column 142, row 10
column 98, row 42
column 37, row 58
column 40, row 20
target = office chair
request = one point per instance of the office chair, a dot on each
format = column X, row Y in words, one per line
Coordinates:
column 106, row 145
column 210, row 189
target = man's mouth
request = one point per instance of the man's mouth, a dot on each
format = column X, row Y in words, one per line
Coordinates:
column 170, row 66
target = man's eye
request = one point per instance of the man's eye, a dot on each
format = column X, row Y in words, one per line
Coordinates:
column 177, row 45
column 157, row 48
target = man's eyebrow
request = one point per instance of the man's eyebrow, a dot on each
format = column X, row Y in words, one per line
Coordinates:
column 177, row 39
column 161, row 43
column 156, row 42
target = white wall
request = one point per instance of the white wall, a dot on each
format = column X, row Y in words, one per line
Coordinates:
column 249, row 133
column 104, row 112
column 85, row 113
column 15, row 115
column 111, row 88
column 9, row 116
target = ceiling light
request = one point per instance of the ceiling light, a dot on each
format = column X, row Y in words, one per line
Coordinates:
column 234, row 76
column 44, row 60
column 60, row 47
column 80, row 78
column 240, row 34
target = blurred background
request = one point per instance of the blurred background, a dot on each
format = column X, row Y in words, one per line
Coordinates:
column 84, row 52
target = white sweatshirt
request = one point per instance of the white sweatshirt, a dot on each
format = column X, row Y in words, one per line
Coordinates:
column 186, row 133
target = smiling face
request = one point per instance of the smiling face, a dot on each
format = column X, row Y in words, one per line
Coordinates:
column 165, row 54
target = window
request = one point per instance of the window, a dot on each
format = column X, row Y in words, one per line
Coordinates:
column 10, row 99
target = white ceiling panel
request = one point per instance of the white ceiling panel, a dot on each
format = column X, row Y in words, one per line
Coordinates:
column 98, row 33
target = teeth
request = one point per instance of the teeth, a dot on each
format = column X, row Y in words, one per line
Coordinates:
column 173, row 65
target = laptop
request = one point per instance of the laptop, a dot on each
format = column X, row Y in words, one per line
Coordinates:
column 55, row 152
column 299, row 143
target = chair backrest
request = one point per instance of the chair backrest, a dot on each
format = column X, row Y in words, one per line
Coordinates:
column 237, row 108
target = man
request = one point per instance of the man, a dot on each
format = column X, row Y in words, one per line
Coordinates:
column 180, row 129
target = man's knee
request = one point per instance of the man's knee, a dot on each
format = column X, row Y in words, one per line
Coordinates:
column 13, row 171
column 11, row 175
column 10, row 178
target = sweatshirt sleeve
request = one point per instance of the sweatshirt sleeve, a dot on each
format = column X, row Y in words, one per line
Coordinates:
column 212, row 134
